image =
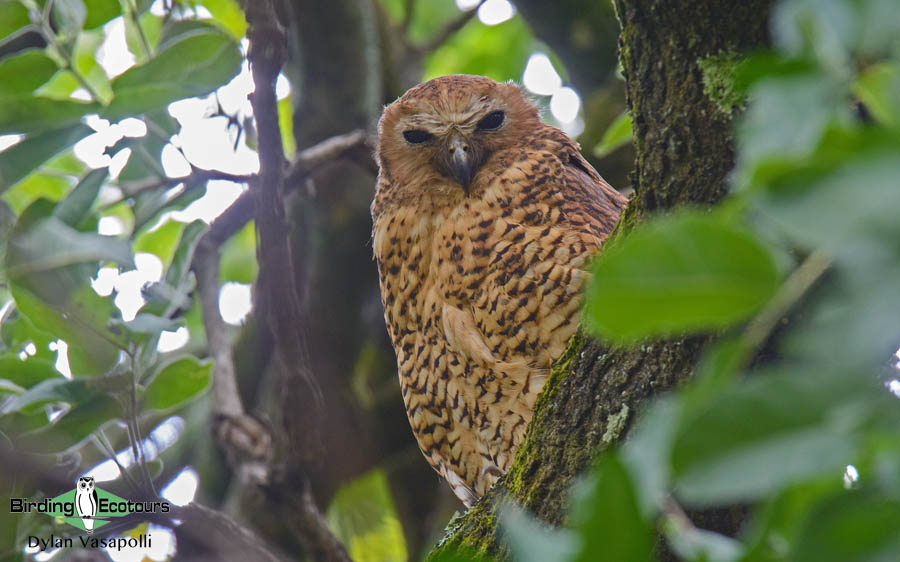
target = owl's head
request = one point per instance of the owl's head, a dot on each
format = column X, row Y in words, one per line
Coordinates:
column 448, row 127
column 85, row 484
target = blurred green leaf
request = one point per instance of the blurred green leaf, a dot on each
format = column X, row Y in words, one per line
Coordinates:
column 52, row 244
column 26, row 114
column 878, row 87
column 647, row 452
column 37, row 186
column 25, row 72
column 815, row 208
column 499, row 52
column 238, row 262
column 193, row 64
column 150, row 27
column 767, row 432
column 607, row 517
column 27, row 373
column 71, row 429
column 145, row 323
column 13, row 15
column 69, row 16
column 19, row 160
column 100, row 11
column 690, row 543
column 617, row 134
column 184, row 253
column 160, row 242
column 81, row 321
column 87, row 65
column 858, row 525
column 362, row 516
column 177, row 382
column 228, row 15
column 685, row 272
column 531, row 541
column 286, row 123
column 56, row 389
column 75, row 208
column 786, row 120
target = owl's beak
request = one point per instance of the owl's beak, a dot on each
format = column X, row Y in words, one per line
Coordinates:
column 462, row 161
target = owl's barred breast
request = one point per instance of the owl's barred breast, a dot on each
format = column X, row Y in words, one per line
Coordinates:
column 481, row 293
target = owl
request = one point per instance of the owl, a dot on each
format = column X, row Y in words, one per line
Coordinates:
column 484, row 221
column 86, row 501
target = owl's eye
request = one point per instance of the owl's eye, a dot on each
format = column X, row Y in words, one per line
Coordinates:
column 491, row 122
column 416, row 136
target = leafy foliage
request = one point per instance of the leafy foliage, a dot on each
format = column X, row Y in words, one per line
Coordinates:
column 73, row 370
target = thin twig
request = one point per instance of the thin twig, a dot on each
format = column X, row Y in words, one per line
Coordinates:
column 408, row 12
column 329, row 149
column 792, row 290
column 443, row 34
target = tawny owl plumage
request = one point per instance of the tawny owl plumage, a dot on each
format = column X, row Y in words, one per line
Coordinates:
column 484, row 220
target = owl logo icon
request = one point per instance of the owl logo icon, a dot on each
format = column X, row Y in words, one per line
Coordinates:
column 86, row 501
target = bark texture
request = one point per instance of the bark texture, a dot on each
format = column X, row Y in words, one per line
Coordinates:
column 683, row 144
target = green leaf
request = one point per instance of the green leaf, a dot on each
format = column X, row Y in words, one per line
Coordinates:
column 818, row 210
column 57, row 389
column 177, row 382
column 607, row 517
column 184, row 253
column 646, row 453
column 786, row 120
column 19, row 160
column 52, row 244
column 81, row 321
column 27, row 373
column 686, row 272
column 160, row 242
column 70, row 430
column 75, row 208
column 228, row 15
column 768, row 432
column 13, row 15
column 878, row 87
column 499, row 52
column 35, row 187
column 239, row 257
column 25, row 72
column 191, row 65
column 286, row 124
column 362, row 516
column 69, row 16
column 27, row 114
column 617, row 134
column 856, row 525
column 100, row 11
column 145, row 323
column 530, row 541
column 690, row 543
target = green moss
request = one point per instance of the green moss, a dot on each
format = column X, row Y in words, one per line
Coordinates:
column 719, row 73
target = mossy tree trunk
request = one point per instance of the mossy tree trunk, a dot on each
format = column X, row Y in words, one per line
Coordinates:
column 683, row 142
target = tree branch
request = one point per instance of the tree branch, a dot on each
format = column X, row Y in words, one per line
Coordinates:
column 307, row 160
column 446, row 32
column 277, row 281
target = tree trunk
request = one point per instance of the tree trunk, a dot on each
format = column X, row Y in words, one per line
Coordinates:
column 683, row 141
